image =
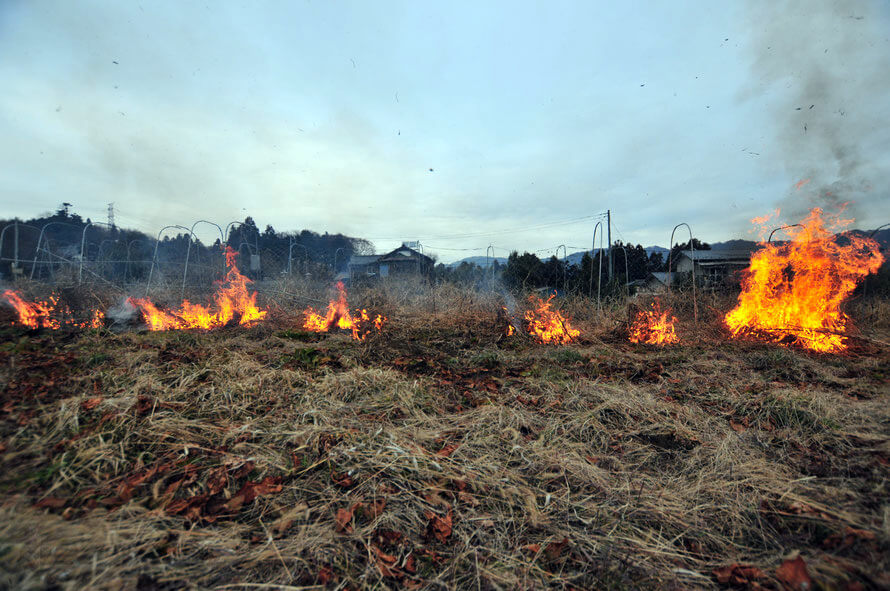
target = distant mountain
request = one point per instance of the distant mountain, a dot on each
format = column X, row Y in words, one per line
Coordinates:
column 735, row 244
column 478, row 260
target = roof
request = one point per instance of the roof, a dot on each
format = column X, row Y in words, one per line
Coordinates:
column 662, row 277
column 403, row 253
column 718, row 255
column 362, row 259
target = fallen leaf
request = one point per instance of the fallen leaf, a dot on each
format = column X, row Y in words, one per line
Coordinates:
column 91, row 403
column 50, row 503
column 439, row 527
column 737, row 427
column 738, row 574
column 533, row 548
column 374, row 508
column 342, row 479
column 794, row 575
column 554, row 549
column 326, row 575
column 343, row 519
column 385, row 562
column 252, row 490
column 447, row 450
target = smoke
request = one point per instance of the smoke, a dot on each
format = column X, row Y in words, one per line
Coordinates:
column 823, row 64
column 123, row 313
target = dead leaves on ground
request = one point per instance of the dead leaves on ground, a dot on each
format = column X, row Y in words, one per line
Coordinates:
column 344, row 519
column 177, row 488
column 792, row 574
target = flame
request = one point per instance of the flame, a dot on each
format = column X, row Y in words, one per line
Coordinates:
column 48, row 313
column 96, row 321
column 548, row 326
column 793, row 292
column 338, row 315
column 654, row 327
column 34, row 314
column 231, row 298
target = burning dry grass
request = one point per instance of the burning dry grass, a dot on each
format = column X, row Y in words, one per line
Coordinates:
column 437, row 454
column 793, row 292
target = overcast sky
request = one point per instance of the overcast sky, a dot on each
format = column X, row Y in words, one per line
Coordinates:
column 458, row 124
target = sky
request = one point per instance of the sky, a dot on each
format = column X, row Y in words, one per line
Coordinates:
column 459, row 124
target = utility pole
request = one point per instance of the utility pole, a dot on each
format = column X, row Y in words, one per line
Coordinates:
column 609, row 234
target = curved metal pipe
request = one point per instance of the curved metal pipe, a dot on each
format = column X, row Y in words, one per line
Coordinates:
column 40, row 240
column 878, row 229
column 83, row 238
column 600, row 276
column 154, row 257
column 626, row 273
column 127, row 267
column 189, row 249
column 564, row 263
column 770, row 239
column 15, row 251
column 670, row 253
column 290, row 251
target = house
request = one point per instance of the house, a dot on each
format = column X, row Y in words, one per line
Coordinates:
column 403, row 261
column 714, row 267
column 361, row 266
column 656, row 281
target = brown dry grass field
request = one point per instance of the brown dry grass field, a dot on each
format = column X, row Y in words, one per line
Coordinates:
column 442, row 454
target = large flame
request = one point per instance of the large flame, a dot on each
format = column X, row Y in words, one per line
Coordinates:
column 231, row 300
column 338, row 315
column 793, row 292
column 548, row 325
column 654, row 327
column 49, row 313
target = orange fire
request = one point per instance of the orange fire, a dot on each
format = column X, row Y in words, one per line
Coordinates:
column 338, row 316
column 48, row 313
column 793, row 292
column 547, row 325
column 654, row 327
column 231, row 300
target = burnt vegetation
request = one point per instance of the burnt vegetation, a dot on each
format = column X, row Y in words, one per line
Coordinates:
column 440, row 453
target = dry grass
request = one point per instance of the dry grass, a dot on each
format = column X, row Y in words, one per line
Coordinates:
column 439, row 454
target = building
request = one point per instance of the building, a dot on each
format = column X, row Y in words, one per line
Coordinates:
column 656, row 281
column 361, row 266
column 401, row 262
column 714, row 267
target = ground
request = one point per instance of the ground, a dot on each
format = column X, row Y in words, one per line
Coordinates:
column 440, row 455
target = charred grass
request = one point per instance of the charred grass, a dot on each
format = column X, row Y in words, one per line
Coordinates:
column 438, row 454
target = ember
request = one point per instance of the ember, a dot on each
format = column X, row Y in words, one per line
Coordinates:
column 338, row 316
column 793, row 292
column 654, row 327
column 233, row 302
column 547, row 325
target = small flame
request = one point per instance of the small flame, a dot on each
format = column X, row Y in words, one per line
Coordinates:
column 793, row 292
column 547, row 325
column 231, row 298
column 654, row 327
column 338, row 315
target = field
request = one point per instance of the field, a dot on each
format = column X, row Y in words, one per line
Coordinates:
column 442, row 454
